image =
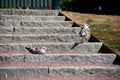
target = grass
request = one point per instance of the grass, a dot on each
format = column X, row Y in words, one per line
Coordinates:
column 104, row 33
column 105, row 27
column 89, row 20
column 101, row 29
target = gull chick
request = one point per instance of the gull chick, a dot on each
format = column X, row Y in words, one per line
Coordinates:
column 43, row 50
column 85, row 32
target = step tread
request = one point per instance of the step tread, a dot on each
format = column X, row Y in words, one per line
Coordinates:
column 40, row 30
column 59, row 77
column 29, row 12
column 33, row 34
column 49, row 52
column 36, row 23
column 77, row 58
column 54, row 27
column 53, row 64
column 22, row 21
column 32, row 18
column 65, row 46
column 60, row 70
column 40, row 37
column 54, row 43
column 23, row 16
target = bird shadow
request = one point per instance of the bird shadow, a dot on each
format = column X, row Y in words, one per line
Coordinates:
column 30, row 50
column 76, row 44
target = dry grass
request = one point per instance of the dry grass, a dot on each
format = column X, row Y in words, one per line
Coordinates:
column 111, row 37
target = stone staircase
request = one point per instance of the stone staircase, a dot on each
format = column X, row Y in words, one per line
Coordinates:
column 64, row 60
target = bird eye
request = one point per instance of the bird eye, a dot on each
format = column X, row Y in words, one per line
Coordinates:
column 44, row 48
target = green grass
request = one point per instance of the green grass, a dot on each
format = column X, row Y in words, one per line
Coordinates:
column 102, row 31
column 89, row 20
column 101, row 27
column 113, row 43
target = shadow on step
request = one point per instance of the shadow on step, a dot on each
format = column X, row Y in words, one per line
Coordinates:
column 93, row 39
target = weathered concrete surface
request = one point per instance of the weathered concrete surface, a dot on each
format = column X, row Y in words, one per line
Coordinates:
column 49, row 30
column 14, row 23
column 5, row 37
column 75, row 58
column 47, row 37
column 12, row 57
column 29, row 12
column 6, row 30
column 80, row 58
column 40, row 30
column 47, row 23
column 34, row 18
column 60, row 77
column 86, row 70
column 84, row 47
column 64, row 70
column 20, row 71
column 11, row 23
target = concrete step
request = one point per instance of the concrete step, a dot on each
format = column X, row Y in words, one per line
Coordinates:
column 47, row 23
column 6, row 30
column 14, row 23
column 41, row 37
column 81, row 47
column 5, row 37
column 71, row 58
column 61, row 77
column 63, row 70
column 31, row 18
column 29, row 12
column 50, row 52
column 40, row 30
column 52, row 64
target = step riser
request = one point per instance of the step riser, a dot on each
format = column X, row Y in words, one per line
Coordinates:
column 6, row 30
column 36, row 24
column 47, row 30
column 4, row 72
column 6, row 38
column 85, row 47
column 10, row 23
column 50, row 30
column 47, row 38
column 48, row 24
column 29, row 12
column 33, row 18
column 80, row 58
column 86, row 71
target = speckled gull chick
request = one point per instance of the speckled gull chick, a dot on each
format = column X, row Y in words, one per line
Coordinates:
column 43, row 50
column 85, row 32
